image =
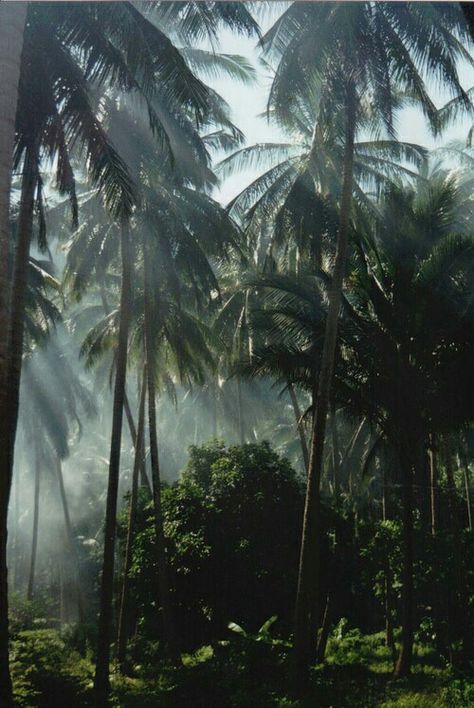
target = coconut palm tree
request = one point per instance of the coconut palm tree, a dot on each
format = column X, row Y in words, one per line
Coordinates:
column 353, row 55
column 407, row 310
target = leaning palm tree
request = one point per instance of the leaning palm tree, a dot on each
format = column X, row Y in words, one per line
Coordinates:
column 357, row 56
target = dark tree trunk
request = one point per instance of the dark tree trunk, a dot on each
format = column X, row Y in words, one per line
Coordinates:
column 433, row 487
column 34, row 538
column 126, row 403
column 299, row 425
column 467, row 485
column 389, row 639
column 19, row 285
column 404, row 661
column 307, row 598
column 101, row 683
column 123, row 627
column 170, row 639
column 12, row 22
column 336, row 456
column 144, row 481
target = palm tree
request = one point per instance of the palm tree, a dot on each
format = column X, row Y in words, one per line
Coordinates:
column 351, row 53
column 406, row 311
column 12, row 20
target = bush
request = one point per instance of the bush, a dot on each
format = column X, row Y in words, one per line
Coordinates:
column 46, row 673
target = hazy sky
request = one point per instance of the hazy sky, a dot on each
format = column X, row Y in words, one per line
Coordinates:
column 248, row 101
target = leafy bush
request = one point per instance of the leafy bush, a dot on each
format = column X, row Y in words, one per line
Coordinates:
column 46, row 673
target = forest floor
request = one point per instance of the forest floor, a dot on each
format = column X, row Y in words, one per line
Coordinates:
column 50, row 671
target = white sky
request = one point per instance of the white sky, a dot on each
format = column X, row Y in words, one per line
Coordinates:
column 249, row 101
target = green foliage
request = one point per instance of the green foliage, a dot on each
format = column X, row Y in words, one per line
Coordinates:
column 232, row 524
column 27, row 614
column 46, row 672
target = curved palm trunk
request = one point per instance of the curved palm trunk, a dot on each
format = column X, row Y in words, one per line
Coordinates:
column 299, row 425
column 123, row 627
column 34, row 540
column 101, row 682
column 170, row 639
column 307, row 598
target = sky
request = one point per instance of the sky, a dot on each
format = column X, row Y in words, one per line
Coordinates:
column 248, row 102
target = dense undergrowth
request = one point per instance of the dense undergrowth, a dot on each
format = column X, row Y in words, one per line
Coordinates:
column 53, row 668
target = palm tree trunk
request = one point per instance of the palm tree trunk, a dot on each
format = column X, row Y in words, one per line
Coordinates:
column 169, row 634
column 34, row 541
column 19, row 285
column 467, row 486
column 126, row 403
column 70, row 540
column 144, row 481
column 307, row 600
column 240, row 411
column 299, row 425
column 12, row 22
column 101, row 682
column 336, row 456
column 123, row 627
column 433, row 488
column 389, row 639
column 403, row 665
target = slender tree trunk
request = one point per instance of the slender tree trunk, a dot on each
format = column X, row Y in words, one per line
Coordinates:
column 307, row 598
column 214, row 407
column 336, row 457
column 70, row 540
column 240, row 411
column 389, row 639
column 170, row 639
column 123, row 627
column 404, row 661
column 101, row 683
column 467, row 486
column 12, row 22
column 126, row 403
column 299, row 425
column 325, row 629
column 433, row 488
column 34, row 539
column 144, row 481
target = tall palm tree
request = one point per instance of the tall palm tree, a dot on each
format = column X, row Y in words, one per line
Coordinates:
column 354, row 54
column 406, row 310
